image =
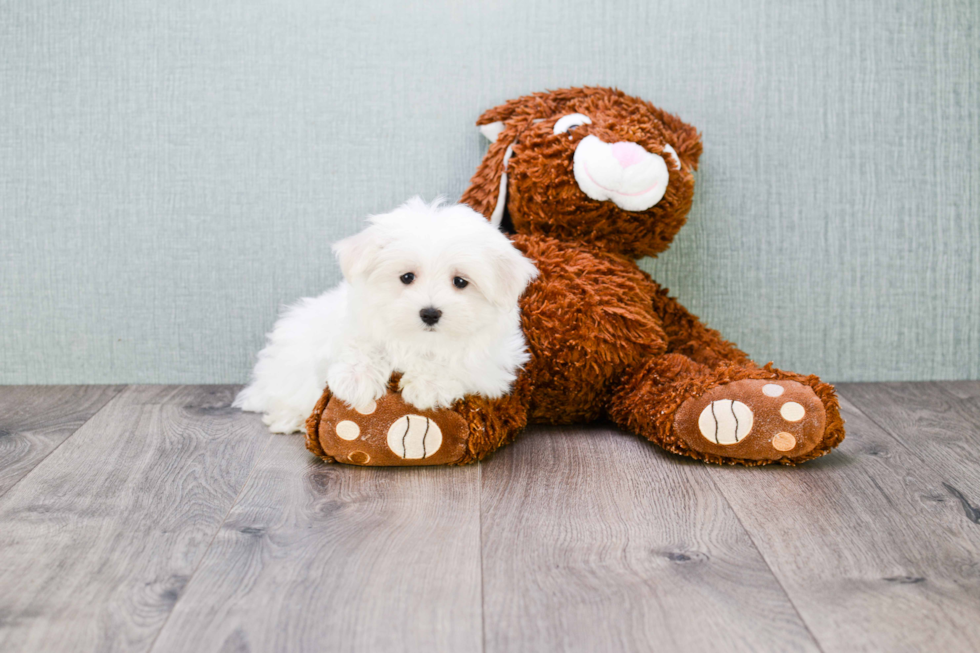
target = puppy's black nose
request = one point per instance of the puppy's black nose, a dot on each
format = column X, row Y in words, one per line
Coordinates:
column 430, row 315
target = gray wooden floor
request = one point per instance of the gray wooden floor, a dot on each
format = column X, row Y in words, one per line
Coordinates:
column 159, row 519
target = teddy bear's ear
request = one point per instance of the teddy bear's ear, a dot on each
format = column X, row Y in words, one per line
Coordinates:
column 692, row 149
column 497, row 215
column 487, row 193
column 492, row 130
column 686, row 139
column 502, row 125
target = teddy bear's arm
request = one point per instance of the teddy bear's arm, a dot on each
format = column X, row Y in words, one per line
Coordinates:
column 687, row 335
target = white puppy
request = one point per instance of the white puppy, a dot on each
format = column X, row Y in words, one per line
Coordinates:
column 430, row 291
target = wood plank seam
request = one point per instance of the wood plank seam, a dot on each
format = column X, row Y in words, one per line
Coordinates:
column 40, row 460
column 204, row 554
column 124, row 510
column 899, row 567
column 595, row 539
column 762, row 555
column 483, row 603
column 360, row 558
column 972, row 512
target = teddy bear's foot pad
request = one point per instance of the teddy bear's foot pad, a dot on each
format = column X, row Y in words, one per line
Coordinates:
column 391, row 433
column 753, row 419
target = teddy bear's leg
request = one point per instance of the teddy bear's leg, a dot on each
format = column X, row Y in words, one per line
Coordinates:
column 732, row 413
column 492, row 423
column 689, row 336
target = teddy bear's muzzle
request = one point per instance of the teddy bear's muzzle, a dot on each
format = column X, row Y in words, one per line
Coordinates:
column 624, row 173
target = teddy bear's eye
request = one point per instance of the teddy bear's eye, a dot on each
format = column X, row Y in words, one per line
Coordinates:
column 571, row 121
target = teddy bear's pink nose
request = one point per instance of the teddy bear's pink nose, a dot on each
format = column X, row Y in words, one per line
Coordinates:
column 627, row 153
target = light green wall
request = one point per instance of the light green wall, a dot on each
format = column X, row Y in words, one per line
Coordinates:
column 172, row 172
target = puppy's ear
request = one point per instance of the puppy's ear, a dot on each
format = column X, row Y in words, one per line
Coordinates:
column 510, row 273
column 358, row 253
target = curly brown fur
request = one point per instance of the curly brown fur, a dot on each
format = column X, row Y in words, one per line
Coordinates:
column 689, row 336
column 543, row 197
column 494, row 422
column 605, row 339
column 587, row 319
column 313, row 427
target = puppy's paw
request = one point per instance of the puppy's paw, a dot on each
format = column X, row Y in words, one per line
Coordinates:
column 284, row 422
column 426, row 395
column 359, row 386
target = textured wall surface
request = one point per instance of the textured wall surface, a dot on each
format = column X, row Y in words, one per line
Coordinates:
column 172, row 172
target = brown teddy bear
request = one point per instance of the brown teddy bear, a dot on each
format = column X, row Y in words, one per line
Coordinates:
column 588, row 180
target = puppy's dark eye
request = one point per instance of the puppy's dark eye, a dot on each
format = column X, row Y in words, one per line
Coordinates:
column 407, row 278
column 460, row 282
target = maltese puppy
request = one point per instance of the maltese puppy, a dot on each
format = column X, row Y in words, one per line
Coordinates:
column 429, row 291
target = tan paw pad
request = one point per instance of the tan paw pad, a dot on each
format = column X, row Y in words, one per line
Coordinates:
column 348, row 430
column 773, row 390
column 725, row 421
column 369, row 409
column 783, row 441
column 792, row 411
column 359, row 458
column 414, row 436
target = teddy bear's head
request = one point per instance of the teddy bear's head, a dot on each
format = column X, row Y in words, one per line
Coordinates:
column 590, row 165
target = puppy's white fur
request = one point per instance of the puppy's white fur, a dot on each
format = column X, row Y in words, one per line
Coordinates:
column 354, row 336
